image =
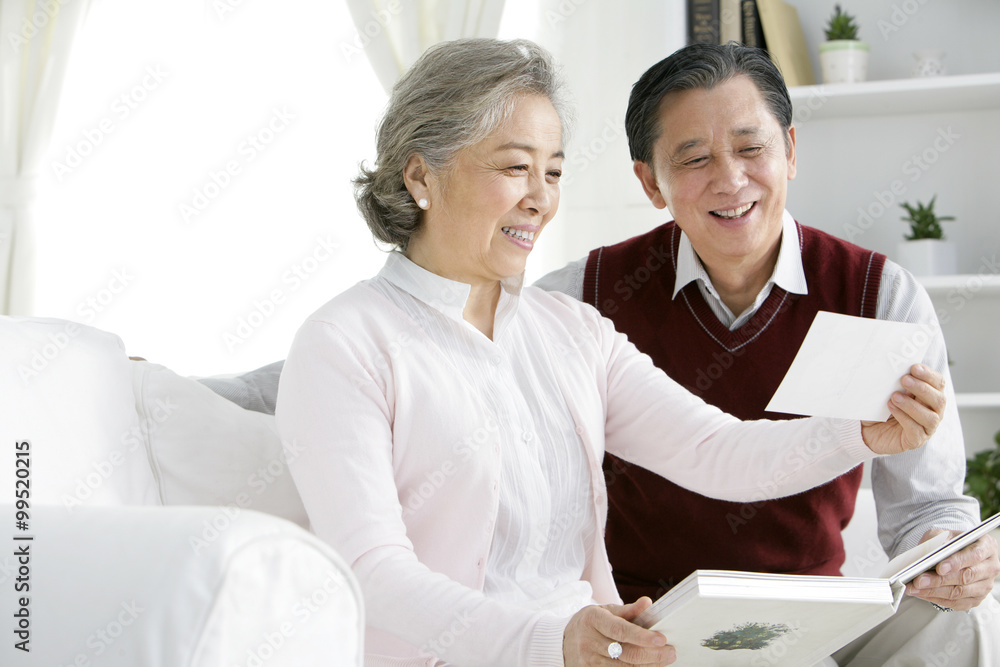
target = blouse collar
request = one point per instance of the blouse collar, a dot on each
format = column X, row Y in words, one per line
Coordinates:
column 444, row 295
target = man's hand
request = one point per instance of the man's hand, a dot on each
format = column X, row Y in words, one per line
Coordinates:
column 593, row 628
column 962, row 580
column 915, row 415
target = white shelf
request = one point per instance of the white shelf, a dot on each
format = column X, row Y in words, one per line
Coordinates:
column 965, row 92
column 968, row 283
column 977, row 400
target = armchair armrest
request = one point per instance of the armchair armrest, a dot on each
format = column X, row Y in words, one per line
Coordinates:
column 175, row 586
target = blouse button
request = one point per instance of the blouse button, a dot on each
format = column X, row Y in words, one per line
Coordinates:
column 579, row 430
column 527, row 436
column 495, row 360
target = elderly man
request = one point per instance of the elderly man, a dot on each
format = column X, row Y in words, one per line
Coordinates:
column 735, row 285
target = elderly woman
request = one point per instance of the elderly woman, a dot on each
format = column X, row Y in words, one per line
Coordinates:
column 452, row 421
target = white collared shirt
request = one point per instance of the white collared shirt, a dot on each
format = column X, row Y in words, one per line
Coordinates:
column 788, row 274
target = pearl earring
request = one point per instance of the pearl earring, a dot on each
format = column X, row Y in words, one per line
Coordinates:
column 423, row 203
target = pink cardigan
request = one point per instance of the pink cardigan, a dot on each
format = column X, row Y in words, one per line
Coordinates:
column 371, row 401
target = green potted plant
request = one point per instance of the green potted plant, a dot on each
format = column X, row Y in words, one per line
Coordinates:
column 925, row 252
column 843, row 57
column 982, row 479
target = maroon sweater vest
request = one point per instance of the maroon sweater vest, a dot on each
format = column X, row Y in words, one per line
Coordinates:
column 659, row 532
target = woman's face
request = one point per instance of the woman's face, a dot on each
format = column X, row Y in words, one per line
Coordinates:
column 486, row 214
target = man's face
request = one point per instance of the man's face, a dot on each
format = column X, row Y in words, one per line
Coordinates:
column 721, row 166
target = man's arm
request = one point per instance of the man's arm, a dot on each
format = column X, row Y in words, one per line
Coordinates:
column 568, row 279
column 920, row 493
column 256, row 390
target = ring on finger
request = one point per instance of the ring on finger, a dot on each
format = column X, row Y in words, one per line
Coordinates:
column 614, row 650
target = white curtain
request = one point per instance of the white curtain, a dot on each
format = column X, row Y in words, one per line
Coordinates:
column 35, row 41
column 395, row 32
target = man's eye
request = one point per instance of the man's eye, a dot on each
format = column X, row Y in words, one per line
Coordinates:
column 555, row 175
column 696, row 162
column 518, row 168
column 752, row 150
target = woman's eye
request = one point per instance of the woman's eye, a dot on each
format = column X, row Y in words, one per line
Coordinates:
column 555, row 175
column 522, row 168
column 752, row 150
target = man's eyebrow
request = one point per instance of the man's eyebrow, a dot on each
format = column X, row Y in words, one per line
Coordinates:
column 686, row 146
column 513, row 145
column 746, row 130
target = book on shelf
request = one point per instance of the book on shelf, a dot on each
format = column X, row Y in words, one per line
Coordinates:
column 786, row 42
column 753, row 33
column 722, row 617
column 730, row 21
column 703, row 21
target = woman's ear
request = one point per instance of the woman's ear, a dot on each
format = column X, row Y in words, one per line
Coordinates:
column 417, row 178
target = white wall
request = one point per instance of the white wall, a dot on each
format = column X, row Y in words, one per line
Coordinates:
column 189, row 284
column 130, row 148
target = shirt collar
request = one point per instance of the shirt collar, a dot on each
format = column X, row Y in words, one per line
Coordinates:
column 444, row 295
column 789, row 273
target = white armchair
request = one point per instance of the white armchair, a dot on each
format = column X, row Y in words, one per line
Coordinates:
column 164, row 527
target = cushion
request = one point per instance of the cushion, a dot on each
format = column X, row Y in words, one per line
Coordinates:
column 206, row 450
column 68, row 419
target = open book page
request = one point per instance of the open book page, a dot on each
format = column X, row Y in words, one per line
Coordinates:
column 729, row 619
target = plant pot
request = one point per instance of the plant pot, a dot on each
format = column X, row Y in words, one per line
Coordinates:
column 927, row 257
column 844, row 60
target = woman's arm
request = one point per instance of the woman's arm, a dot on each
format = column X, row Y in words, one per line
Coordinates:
column 656, row 423
column 339, row 411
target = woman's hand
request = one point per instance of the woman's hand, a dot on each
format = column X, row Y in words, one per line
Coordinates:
column 594, row 628
column 916, row 414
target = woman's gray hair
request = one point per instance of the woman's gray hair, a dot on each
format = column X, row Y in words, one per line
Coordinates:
column 455, row 95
